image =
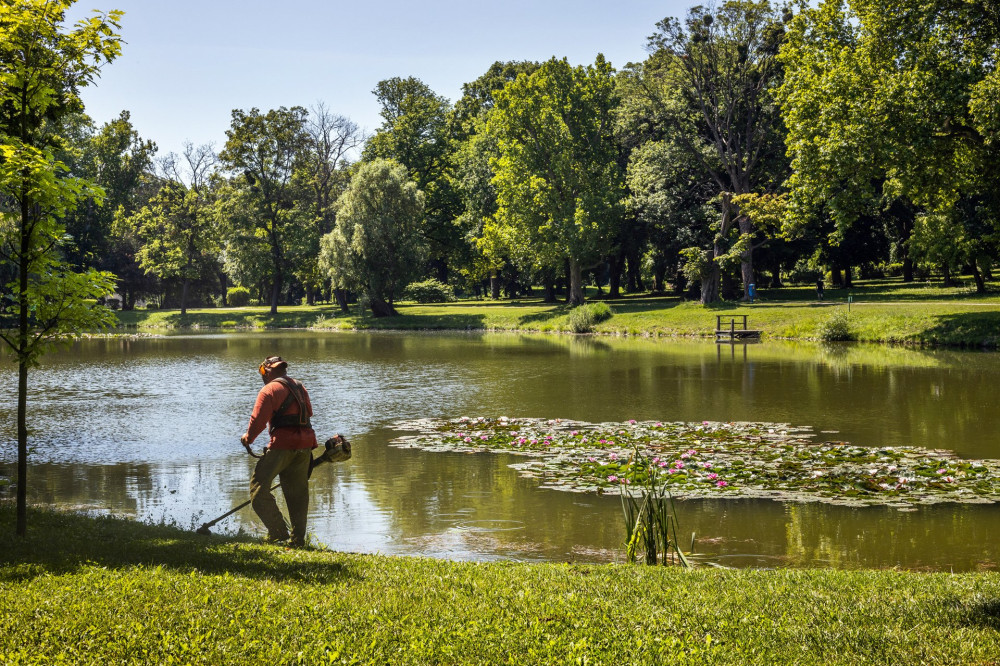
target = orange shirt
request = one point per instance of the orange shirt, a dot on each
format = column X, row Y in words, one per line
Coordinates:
column 269, row 400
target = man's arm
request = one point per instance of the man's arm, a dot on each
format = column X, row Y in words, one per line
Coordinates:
column 263, row 410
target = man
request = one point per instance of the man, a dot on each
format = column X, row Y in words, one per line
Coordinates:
column 283, row 406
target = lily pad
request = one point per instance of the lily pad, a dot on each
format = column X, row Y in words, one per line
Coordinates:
column 713, row 459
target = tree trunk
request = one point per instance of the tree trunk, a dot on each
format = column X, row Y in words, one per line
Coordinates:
column 848, row 278
column 659, row 279
column 382, row 309
column 615, row 275
column 494, row 286
column 836, row 277
column 905, row 232
column 275, row 291
column 184, row 295
column 23, row 266
column 341, row 296
column 710, row 286
column 575, row 283
column 946, row 273
column 978, row 277
column 776, row 279
column 746, row 257
column 550, row 292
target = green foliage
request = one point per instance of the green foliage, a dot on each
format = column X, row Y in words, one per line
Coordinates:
column 558, row 182
column 837, row 328
column 583, row 318
column 238, row 297
column 42, row 67
column 264, row 151
column 650, row 514
column 376, row 248
column 429, row 291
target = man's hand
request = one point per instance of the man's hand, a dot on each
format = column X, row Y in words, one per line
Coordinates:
column 245, row 440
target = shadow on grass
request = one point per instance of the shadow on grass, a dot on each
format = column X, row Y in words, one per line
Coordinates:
column 61, row 542
column 984, row 614
column 966, row 329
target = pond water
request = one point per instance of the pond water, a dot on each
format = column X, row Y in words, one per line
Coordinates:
column 149, row 428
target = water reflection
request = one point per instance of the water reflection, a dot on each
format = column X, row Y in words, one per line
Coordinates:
column 150, row 428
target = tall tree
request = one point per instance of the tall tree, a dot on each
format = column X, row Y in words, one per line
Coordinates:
column 415, row 133
column 331, row 142
column 117, row 159
column 176, row 227
column 374, row 249
column 43, row 65
column 559, row 185
column 473, row 175
column 713, row 77
column 890, row 104
column 266, row 150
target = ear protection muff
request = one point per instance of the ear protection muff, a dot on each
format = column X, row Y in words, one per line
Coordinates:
column 270, row 363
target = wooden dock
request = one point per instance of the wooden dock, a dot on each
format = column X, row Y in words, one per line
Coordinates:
column 733, row 328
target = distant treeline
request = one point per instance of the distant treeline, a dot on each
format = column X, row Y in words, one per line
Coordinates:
column 756, row 144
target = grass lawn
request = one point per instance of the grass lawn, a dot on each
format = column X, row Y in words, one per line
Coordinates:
column 81, row 590
column 885, row 311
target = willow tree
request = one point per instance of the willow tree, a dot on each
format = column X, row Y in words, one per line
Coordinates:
column 376, row 248
column 559, row 185
column 43, row 65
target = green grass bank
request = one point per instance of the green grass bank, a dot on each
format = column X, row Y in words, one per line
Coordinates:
column 83, row 590
column 883, row 311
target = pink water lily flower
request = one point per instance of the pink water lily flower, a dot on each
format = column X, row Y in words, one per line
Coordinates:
column 612, row 478
column 712, row 476
column 632, row 421
column 467, row 440
column 613, row 456
column 678, row 464
column 721, row 484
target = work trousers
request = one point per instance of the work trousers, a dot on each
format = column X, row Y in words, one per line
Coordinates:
column 292, row 469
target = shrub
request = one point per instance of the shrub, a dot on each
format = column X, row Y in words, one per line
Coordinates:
column 837, row 328
column 585, row 317
column 429, row 291
column 238, row 297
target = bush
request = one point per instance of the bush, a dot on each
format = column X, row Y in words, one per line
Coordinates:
column 837, row 328
column 238, row 297
column 429, row 291
column 583, row 318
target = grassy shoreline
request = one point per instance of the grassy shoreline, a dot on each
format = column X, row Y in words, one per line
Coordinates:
column 88, row 590
column 885, row 312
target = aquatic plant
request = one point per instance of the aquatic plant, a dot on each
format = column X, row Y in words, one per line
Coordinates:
column 710, row 459
column 650, row 514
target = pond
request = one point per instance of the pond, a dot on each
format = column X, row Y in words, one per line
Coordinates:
column 149, row 428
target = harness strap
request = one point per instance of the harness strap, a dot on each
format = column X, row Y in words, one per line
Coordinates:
column 296, row 393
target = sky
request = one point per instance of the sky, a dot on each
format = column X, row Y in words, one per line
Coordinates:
column 186, row 65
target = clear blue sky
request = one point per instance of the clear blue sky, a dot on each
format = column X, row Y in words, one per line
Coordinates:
column 187, row 64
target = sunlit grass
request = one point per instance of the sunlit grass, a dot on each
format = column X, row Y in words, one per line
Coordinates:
column 878, row 311
column 96, row 591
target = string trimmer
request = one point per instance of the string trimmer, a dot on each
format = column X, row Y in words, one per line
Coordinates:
column 338, row 449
